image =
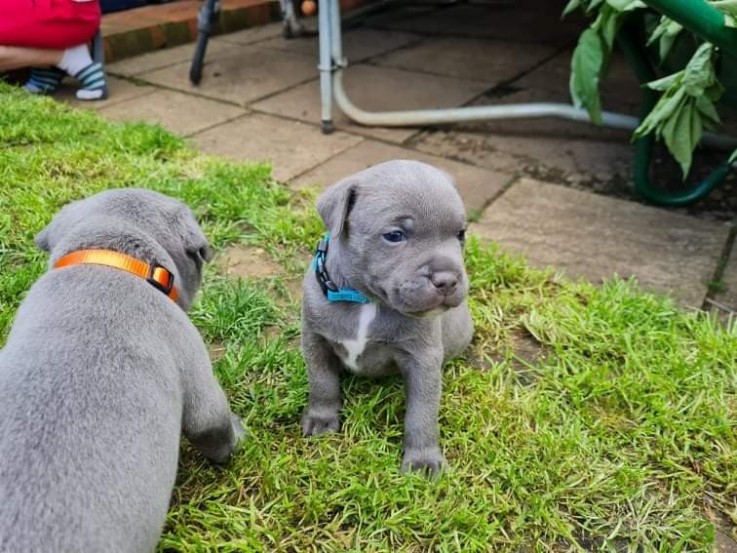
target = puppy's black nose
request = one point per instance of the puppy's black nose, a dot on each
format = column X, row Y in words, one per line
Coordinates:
column 444, row 281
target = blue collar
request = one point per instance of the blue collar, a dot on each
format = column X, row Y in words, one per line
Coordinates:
column 331, row 291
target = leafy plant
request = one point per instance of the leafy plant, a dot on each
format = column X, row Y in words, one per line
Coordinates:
column 687, row 104
column 591, row 56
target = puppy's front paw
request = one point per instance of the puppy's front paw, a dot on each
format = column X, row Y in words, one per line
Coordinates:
column 429, row 460
column 314, row 423
column 238, row 430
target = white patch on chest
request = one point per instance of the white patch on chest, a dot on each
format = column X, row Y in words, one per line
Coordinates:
column 356, row 346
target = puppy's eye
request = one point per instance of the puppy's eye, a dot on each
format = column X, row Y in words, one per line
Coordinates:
column 461, row 235
column 395, row 236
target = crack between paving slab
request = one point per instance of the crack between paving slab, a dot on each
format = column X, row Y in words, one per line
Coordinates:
column 244, row 105
column 243, row 115
column 223, row 37
column 503, row 83
column 323, row 162
column 367, row 59
column 499, row 193
column 718, row 274
column 513, row 178
column 228, row 45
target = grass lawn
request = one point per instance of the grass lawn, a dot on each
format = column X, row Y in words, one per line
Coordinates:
column 583, row 418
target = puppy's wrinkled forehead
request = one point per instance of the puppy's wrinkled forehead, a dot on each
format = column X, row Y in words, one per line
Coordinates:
column 392, row 191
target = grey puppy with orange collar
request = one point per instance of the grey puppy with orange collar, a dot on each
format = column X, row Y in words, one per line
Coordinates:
column 386, row 292
column 100, row 375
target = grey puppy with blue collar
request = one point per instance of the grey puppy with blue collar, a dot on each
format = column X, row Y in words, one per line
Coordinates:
column 387, row 292
column 101, row 373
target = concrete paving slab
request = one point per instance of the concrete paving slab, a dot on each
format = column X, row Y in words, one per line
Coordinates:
column 239, row 76
column 528, row 22
column 477, row 186
column 390, row 89
column 592, row 236
column 579, row 162
column 469, row 58
column 252, row 35
column 120, row 90
column 180, row 113
column 358, row 44
column 293, row 147
column 163, row 58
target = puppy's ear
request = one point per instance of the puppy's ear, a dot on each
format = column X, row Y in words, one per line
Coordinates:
column 335, row 204
column 195, row 242
column 42, row 239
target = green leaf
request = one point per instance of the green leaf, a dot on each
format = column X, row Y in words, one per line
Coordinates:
column 586, row 64
column 708, row 111
column 593, row 4
column 625, row 5
column 696, row 126
column 715, row 91
column 666, row 82
column 667, row 106
column 733, row 157
column 606, row 24
column 666, row 32
column 681, row 134
column 572, row 6
column 699, row 72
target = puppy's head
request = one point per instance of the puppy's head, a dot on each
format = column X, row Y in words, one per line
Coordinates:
column 133, row 220
column 400, row 228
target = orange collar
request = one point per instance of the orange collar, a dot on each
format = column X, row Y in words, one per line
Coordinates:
column 156, row 275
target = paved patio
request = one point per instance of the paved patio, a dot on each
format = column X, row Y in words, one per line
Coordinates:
column 530, row 185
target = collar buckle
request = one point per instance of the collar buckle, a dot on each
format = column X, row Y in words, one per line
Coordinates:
column 160, row 278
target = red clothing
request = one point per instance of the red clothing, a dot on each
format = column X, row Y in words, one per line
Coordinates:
column 56, row 24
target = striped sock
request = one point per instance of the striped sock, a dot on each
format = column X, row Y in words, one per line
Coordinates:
column 93, row 81
column 44, row 81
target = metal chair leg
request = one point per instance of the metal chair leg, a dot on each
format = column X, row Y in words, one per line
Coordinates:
column 326, row 65
column 292, row 26
column 205, row 18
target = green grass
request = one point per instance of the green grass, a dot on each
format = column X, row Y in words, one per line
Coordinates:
column 583, row 417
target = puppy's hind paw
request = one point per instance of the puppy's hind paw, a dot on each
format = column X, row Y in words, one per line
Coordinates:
column 314, row 424
column 429, row 461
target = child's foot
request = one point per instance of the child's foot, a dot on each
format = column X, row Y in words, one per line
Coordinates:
column 93, row 81
column 78, row 63
column 44, row 80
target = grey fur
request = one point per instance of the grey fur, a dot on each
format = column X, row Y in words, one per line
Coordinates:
column 100, row 375
column 422, row 317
